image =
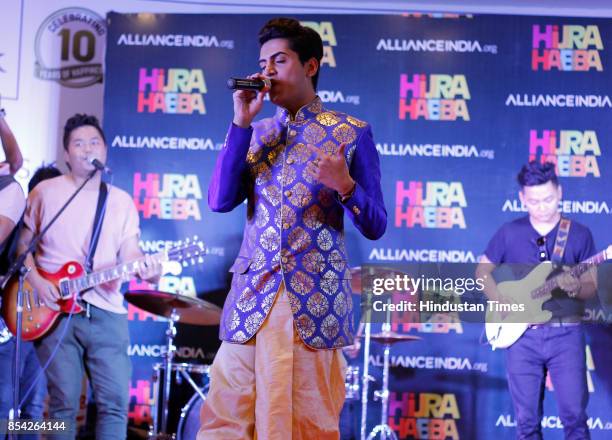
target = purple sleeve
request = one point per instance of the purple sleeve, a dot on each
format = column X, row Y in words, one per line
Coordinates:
column 366, row 207
column 228, row 184
column 497, row 247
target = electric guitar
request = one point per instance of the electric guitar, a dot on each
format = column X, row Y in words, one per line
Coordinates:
column 504, row 329
column 71, row 280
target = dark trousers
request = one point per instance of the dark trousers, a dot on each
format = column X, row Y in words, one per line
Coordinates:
column 96, row 345
column 560, row 351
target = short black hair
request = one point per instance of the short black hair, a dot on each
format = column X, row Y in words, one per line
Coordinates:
column 304, row 41
column 537, row 173
column 43, row 173
column 80, row 120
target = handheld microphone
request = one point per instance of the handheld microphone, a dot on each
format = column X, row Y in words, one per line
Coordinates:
column 99, row 165
column 255, row 84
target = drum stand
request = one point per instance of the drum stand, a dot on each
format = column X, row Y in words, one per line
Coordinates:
column 168, row 365
column 169, row 356
column 365, row 379
column 383, row 427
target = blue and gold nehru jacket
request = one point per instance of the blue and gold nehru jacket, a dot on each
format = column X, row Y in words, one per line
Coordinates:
column 295, row 225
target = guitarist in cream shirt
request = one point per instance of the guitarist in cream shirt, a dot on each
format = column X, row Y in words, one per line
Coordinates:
column 557, row 346
column 97, row 339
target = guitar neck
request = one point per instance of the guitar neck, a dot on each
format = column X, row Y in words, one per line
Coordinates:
column 121, row 271
column 575, row 271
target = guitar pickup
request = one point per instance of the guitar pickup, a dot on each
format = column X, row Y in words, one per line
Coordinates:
column 64, row 288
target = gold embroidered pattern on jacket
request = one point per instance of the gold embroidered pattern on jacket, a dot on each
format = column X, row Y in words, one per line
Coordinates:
column 317, row 304
column 299, row 240
column 253, row 322
column 270, row 239
column 356, row 122
column 272, row 194
column 285, row 216
column 330, row 327
column 262, row 216
column 314, row 133
column 344, row 133
column 300, row 195
column 328, row 119
column 305, row 326
column 302, row 283
column 324, row 240
column 313, row 261
column 299, row 154
column 313, row 217
column 287, row 176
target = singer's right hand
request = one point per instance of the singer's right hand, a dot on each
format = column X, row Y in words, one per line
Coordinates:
column 248, row 103
column 47, row 291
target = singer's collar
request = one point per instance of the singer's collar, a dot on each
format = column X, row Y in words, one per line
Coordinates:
column 306, row 112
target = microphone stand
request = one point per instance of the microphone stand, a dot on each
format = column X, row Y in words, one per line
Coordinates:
column 19, row 266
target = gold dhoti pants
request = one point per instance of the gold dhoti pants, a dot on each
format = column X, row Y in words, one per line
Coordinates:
column 274, row 386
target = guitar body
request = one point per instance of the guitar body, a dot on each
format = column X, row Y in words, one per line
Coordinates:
column 505, row 329
column 37, row 318
column 71, row 279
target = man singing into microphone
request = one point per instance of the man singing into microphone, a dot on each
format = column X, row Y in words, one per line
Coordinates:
column 95, row 341
column 279, row 373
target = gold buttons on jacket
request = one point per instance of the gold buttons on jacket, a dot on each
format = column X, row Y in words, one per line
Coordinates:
column 288, row 193
column 292, row 133
column 286, row 226
column 290, row 161
column 356, row 210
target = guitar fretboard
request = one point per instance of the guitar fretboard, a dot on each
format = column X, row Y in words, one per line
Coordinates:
column 122, row 271
column 576, row 271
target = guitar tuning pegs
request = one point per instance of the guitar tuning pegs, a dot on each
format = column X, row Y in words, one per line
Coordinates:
column 200, row 260
column 184, row 263
column 193, row 261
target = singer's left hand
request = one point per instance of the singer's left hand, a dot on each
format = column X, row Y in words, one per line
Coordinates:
column 330, row 169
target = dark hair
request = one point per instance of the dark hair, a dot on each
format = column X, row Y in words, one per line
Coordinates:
column 43, row 173
column 537, row 173
column 305, row 41
column 80, row 120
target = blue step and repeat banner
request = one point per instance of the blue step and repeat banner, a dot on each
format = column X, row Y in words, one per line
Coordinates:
column 457, row 104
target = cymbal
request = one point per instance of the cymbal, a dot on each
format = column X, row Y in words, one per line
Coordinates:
column 189, row 309
column 392, row 337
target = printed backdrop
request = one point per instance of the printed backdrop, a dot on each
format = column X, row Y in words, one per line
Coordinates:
column 457, row 105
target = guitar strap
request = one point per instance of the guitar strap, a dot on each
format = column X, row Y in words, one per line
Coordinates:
column 561, row 240
column 97, row 226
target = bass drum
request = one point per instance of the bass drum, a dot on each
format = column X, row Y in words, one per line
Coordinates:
column 189, row 423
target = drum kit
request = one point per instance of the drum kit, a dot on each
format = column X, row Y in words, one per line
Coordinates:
column 189, row 310
column 186, row 310
column 387, row 338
